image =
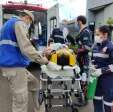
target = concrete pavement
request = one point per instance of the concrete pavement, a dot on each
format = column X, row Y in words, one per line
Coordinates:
column 5, row 98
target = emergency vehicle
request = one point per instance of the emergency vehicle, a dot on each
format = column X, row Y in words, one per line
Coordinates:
column 45, row 19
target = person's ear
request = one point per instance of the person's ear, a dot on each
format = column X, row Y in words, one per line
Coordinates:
column 78, row 22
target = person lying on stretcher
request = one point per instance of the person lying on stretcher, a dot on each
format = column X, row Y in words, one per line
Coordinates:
column 60, row 57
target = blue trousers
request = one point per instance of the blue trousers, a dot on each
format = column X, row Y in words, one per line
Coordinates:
column 103, row 100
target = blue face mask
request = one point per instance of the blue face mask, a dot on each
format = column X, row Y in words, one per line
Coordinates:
column 77, row 27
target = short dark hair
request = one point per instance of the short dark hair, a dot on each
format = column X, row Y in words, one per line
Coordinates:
column 104, row 29
column 22, row 14
column 82, row 19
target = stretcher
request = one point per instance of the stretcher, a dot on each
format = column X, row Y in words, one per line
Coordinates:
column 61, row 88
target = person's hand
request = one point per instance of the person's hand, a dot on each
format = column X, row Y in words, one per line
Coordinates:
column 97, row 73
column 80, row 50
column 45, row 60
column 111, row 68
column 77, row 69
column 104, row 49
column 47, row 51
column 92, row 68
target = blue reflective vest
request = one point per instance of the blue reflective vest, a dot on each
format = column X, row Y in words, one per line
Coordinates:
column 10, row 54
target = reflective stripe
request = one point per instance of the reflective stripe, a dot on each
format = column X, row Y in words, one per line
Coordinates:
column 98, row 98
column 59, row 36
column 8, row 42
column 110, row 104
column 100, row 55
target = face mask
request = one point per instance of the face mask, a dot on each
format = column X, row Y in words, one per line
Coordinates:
column 105, row 39
column 98, row 39
column 77, row 27
column 28, row 26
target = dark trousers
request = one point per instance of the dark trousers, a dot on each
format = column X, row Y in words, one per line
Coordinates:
column 103, row 101
column 83, row 61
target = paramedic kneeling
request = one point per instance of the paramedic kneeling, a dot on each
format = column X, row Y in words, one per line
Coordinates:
column 16, row 51
column 103, row 69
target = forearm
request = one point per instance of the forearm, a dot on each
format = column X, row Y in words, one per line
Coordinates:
column 83, row 50
column 25, row 45
column 85, row 47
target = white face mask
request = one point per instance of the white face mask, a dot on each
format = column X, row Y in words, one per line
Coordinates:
column 98, row 39
column 77, row 27
column 28, row 26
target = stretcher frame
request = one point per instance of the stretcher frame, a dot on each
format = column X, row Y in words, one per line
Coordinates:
column 47, row 94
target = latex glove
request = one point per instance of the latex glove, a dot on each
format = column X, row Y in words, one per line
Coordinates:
column 97, row 73
column 92, row 68
column 77, row 69
column 53, row 66
column 111, row 68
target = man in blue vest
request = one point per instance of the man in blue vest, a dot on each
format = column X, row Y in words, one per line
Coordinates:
column 16, row 51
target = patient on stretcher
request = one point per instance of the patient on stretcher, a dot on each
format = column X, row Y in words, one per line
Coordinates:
column 61, row 59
